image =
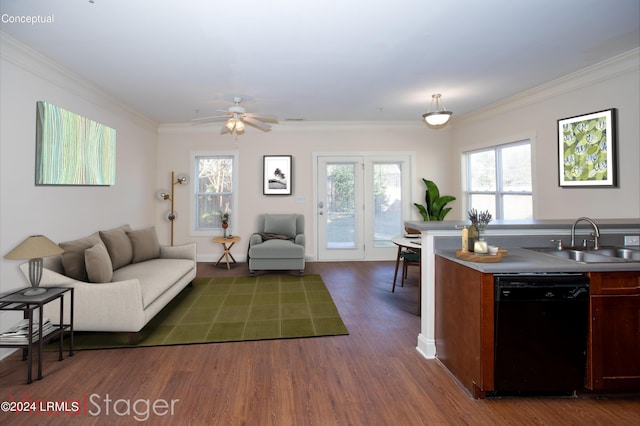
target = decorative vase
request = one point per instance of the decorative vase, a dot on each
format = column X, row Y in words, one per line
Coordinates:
column 481, row 231
column 481, row 248
column 225, row 225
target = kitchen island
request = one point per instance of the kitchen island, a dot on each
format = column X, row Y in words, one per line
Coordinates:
column 466, row 308
column 444, row 238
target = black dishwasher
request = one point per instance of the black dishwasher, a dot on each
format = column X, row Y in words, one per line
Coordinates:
column 541, row 325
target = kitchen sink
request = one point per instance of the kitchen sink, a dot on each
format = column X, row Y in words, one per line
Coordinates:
column 602, row 255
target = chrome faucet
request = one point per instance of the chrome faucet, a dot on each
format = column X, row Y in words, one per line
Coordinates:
column 596, row 232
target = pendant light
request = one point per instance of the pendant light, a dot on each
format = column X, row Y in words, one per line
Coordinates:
column 437, row 115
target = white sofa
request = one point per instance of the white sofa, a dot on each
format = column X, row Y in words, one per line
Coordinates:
column 121, row 278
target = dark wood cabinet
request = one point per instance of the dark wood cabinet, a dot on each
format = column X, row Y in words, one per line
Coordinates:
column 464, row 328
column 464, row 324
column 613, row 356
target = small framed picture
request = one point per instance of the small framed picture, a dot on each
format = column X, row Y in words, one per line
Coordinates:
column 587, row 150
column 277, row 178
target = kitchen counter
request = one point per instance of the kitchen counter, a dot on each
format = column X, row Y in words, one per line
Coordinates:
column 532, row 225
column 444, row 238
column 522, row 260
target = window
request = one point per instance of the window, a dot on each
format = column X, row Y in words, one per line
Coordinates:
column 499, row 180
column 214, row 192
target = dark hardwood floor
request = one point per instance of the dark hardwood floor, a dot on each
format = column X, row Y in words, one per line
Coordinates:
column 373, row 376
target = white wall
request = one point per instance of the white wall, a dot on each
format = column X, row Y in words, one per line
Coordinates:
column 613, row 84
column 177, row 142
column 64, row 212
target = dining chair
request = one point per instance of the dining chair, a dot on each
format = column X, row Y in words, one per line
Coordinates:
column 409, row 257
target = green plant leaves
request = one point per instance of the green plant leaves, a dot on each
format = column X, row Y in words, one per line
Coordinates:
column 435, row 204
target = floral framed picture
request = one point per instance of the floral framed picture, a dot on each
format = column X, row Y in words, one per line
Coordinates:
column 587, row 150
column 277, row 178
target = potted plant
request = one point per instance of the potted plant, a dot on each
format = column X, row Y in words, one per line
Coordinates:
column 479, row 222
column 435, row 209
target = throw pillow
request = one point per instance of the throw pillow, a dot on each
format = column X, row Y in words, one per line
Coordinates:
column 118, row 245
column 145, row 244
column 73, row 256
column 284, row 224
column 98, row 264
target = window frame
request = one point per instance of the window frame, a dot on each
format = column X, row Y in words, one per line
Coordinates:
column 193, row 216
column 499, row 193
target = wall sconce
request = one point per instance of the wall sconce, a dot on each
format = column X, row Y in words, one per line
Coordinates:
column 437, row 116
column 165, row 195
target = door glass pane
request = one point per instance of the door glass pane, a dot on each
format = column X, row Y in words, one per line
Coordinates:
column 482, row 169
column 387, row 201
column 516, row 169
column 341, row 204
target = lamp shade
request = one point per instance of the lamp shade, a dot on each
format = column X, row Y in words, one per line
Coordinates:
column 438, row 114
column 34, row 247
column 437, row 118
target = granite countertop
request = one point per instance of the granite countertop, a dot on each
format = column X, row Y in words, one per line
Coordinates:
column 523, row 260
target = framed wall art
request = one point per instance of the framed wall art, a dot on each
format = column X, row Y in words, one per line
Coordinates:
column 587, row 150
column 277, row 178
column 72, row 149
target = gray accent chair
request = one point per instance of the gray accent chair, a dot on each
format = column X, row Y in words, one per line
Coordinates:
column 278, row 244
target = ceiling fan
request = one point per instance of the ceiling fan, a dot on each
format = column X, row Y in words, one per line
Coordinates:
column 236, row 117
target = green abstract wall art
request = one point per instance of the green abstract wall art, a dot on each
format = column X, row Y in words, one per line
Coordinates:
column 587, row 150
column 73, row 150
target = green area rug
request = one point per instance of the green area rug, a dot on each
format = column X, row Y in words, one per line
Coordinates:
column 226, row 309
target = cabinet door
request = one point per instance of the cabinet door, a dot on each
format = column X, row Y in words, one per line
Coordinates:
column 615, row 343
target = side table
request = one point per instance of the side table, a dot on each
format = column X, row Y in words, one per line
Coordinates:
column 226, row 243
column 17, row 301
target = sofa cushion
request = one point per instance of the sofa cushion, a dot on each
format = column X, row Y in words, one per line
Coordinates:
column 144, row 243
column 156, row 276
column 276, row 249
column 118, row 245
column 98, row 264
column 73, row 256
column 284, row 224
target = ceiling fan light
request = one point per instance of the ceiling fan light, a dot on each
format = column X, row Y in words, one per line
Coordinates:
column 230, row 124
column 437, row 115
column 239, row 126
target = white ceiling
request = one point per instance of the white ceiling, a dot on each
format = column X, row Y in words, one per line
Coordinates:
column 322, row 59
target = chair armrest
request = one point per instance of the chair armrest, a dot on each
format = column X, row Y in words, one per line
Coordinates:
column 300, row 239
column 255, row 239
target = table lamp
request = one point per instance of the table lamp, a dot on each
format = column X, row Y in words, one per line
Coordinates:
column 34, row 248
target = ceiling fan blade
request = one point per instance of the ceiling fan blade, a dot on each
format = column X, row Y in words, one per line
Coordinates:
column 265, row 118
column 209, row 119
column 255, row 123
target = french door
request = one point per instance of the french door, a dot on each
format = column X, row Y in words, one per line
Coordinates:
column 361, row 203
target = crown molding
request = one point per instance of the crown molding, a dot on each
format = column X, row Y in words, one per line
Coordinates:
column 298, row 126
column 32, row 61
column 611, row 68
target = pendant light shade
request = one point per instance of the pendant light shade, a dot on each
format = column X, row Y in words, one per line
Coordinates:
column 437, row 115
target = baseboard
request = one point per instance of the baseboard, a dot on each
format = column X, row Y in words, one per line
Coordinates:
column 426, row 347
